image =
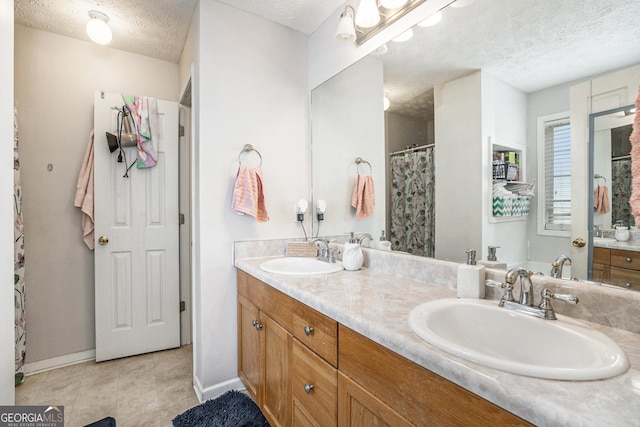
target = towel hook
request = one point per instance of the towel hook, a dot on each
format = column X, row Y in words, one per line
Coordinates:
column 359, row 161
column 247, row 149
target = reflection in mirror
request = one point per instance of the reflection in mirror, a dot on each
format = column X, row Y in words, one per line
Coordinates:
column 477, row 80
column 615, row 240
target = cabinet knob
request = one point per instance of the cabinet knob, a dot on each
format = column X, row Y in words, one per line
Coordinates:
column 628, row 285
column 627, row 259
column 308, row 330
column 308, row 388
column 254, row 322
column 257, row 325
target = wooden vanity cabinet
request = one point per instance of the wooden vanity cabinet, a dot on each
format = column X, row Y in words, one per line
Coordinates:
column 287, row 356
column 304, row 369
column 617, row 267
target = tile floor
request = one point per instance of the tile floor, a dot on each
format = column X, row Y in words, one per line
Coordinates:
column 146, row 390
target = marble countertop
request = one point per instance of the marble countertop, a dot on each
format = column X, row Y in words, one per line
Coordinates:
column 631, row 245
column 377, row 305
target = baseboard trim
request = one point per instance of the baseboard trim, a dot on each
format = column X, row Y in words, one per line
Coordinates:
column 216, row 390
column 59, row 362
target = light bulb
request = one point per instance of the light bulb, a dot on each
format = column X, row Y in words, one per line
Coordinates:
column 368, row 14
column 97, row 28
column 393, row 4
column 346, row 31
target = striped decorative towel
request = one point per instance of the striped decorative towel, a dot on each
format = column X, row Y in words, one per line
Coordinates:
column 363, row 198
column 248, row 198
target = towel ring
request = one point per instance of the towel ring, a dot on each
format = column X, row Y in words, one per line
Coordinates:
column 247, row 149
column 598, row 176
column 359, row 161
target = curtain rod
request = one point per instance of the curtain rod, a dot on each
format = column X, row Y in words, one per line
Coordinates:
column 408, row 150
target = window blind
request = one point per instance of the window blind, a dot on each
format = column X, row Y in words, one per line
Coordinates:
column 557, row 174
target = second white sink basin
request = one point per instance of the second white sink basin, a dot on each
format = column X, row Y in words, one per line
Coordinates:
column 482, row 332
column 300, row 266
column 604, row 240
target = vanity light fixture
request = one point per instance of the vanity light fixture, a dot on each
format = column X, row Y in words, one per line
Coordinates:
column 97, row 28
column 368, row 14
column 346, row 27
column 386, row 102
column 370, row 19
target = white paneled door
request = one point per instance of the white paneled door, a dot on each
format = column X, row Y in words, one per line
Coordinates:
column 137, row 307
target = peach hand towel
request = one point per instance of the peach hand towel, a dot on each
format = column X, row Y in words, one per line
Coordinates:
column 363, row 198
column 248, row 197
column 84, row 195
column 601, row 200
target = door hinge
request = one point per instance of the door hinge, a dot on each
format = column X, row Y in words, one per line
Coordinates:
column 180, row 130
column 181, row 219
column 183, row 306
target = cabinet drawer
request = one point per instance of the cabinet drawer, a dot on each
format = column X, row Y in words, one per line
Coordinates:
column 315, row 388
column 625, row 259
column 602, row 255
column 629, row 279
column 316, row 331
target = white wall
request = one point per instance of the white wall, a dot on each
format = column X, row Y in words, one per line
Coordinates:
column 459, row 171
column 253, row 88
column 7, row 331
column 55, row 81
column 504, row 111
column 348, row 122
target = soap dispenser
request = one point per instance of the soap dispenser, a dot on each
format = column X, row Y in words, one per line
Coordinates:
column 492, row 259
column 352, row 257
column 471, row 278
column 383, row 243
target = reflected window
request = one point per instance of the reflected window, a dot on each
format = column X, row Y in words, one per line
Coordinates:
column 554, row 135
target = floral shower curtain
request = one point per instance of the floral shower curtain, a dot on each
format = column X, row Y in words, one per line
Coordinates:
column 412, row 202
column 20, row 324
column 620, row 191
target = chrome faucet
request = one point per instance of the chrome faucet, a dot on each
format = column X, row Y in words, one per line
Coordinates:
column 325, row 253
column 363, row 237
column 526, row 305
column 557, row 264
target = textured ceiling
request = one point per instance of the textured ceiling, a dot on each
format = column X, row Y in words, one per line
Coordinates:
column 156, row 28
column 529, row 44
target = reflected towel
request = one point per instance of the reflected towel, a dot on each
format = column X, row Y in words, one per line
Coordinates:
column 601, row 200
column 363, row 198
column 84, row 195
column 248, row 197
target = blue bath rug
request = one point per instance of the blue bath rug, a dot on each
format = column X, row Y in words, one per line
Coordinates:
column 232, row 409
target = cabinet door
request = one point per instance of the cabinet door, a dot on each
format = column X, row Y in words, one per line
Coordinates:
column 276, row 403
column 600, row 272
column 359, row 408
column 315, row 386
column 250, row 362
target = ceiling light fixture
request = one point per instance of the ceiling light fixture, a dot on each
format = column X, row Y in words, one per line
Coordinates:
column 346, row 27
column 97, row 28
column 370, row 19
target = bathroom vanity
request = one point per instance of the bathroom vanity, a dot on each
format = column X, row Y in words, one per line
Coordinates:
column 617, row 265
column 336, row 349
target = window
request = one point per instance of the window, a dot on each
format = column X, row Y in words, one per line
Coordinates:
column 554, row 174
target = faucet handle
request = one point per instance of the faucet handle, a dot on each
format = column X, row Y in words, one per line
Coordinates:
column 508, row 291
column 568, row 298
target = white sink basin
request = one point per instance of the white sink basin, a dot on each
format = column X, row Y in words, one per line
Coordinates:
column 300, row 266
column 604, row 240
column 482, row 332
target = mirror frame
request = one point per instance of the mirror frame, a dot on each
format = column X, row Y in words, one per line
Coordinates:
column 592, row 132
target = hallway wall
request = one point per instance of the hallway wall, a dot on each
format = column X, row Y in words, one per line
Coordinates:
column 55, row 81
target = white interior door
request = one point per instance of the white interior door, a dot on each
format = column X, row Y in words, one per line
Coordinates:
column 136, row 271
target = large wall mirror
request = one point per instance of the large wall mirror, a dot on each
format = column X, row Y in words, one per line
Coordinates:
column 461, row 94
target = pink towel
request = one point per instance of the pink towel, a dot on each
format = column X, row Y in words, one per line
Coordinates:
column 634, row 201
column 84, row 195
column 363, row 198
column 601, row 200
column 248, row 198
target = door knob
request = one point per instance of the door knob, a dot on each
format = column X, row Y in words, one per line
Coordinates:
column 103, row 240
column 579, row 242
